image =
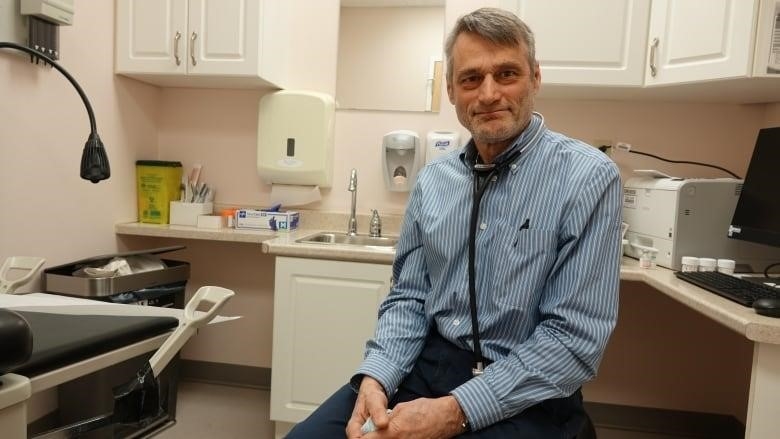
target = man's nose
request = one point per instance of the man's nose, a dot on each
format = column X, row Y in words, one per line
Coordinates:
column 488, row 89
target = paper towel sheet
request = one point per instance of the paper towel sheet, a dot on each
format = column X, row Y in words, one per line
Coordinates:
column 290, row 195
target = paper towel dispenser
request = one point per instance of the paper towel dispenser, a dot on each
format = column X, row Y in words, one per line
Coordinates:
column 295, row 138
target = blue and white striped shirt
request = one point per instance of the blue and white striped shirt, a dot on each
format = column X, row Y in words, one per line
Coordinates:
column 547, row 293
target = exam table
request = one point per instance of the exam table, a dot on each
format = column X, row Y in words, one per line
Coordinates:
column 39, row 343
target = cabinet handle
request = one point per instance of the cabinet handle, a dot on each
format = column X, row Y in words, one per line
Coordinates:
column 193, row 37
column 653, row 50
column 176, row 39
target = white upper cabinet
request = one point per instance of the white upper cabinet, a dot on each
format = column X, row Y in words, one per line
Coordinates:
column 681, row 50
column 151, row 36
column 588, row 43
column 200, row 42
column 699, row 40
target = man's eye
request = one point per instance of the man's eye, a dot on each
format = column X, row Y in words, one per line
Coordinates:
column 507, row 74
column 469, row 80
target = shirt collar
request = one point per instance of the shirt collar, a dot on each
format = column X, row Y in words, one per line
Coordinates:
column 469, row 155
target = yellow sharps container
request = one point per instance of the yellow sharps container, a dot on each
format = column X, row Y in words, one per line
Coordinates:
column 158, row 183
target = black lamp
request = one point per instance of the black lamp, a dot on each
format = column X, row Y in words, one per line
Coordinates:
column 94, row 162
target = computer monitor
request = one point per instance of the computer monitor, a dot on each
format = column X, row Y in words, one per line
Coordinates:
column 757, row 215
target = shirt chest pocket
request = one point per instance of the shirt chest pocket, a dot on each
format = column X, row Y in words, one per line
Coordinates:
column 523, row 265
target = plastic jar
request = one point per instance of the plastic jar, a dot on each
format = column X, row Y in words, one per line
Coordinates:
column 707, row 264
column 726, row 266
column 647, row 258
column 690, row 263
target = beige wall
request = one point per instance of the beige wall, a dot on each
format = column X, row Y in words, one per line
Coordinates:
column 772, row 115
column 49, row 211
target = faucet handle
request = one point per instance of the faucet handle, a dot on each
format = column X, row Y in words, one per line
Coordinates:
column 375, row 225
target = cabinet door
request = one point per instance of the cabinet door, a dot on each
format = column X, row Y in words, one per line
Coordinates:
column 696, row 40
column 588, row 43
column 324, row 312
column 151, row 36
column 223, row 37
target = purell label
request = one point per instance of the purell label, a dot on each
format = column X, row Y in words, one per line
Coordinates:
column 442, row 144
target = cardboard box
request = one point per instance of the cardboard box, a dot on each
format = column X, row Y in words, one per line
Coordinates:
column 186, row 214
column 211, row 221
column 261, row 219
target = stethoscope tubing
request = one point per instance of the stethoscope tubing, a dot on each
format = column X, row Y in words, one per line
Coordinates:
column 482, row 175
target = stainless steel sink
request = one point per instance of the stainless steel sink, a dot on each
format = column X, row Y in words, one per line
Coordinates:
column 344, row 239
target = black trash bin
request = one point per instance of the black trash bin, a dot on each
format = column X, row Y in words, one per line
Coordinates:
column 163, row 287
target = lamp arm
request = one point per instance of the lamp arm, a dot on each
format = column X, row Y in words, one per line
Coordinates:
column 94, row 162
column 35, row 53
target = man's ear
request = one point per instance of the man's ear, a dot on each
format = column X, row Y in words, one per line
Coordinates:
column 537, row 77
column 450, row 93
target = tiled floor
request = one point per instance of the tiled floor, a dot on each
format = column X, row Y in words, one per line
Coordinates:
column 217, row 411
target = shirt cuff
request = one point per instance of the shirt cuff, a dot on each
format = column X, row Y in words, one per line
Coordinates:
column 382, row 370
column 478, row 403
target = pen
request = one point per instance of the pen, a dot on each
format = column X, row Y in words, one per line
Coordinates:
column 523, row 226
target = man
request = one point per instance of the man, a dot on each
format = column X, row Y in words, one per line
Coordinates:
column 506, row 272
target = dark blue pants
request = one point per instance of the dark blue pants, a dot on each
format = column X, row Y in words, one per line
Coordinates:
column 440, row 368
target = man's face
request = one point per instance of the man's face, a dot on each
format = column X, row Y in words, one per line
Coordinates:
column 492, row 88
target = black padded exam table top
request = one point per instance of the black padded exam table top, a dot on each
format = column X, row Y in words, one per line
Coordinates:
column 62, row 339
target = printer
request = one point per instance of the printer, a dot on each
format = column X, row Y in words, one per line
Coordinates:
column 687, row 217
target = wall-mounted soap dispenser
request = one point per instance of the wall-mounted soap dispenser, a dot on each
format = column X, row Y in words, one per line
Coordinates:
column 400, row 159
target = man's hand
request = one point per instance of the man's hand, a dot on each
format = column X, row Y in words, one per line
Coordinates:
column 371, row 401
column 422, row 418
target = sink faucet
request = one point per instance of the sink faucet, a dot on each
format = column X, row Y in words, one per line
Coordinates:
column 352, row 225
column 375, row 226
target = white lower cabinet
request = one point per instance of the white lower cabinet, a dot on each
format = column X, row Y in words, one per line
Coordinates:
column 324, row 311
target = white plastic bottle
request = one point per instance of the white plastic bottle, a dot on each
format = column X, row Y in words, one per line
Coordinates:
column 707, row 264
column 689, row 263
column 439, row 143
column 726, row 266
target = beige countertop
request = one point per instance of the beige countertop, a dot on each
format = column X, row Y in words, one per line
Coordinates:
column 275, row 243
column 741, row 319
column 190, row 232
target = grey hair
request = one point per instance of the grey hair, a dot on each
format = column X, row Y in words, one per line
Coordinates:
column 498, row 26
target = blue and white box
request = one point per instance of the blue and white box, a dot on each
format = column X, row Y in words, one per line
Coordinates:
column 265, row 220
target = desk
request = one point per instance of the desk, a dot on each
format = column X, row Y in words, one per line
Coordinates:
column 763, row 414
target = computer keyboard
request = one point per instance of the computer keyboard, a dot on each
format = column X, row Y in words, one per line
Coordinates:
column 733, row 288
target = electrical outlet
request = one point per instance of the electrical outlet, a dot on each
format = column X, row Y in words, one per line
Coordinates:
column 604, row 145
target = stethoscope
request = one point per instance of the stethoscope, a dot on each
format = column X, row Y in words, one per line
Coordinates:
column 482, row 175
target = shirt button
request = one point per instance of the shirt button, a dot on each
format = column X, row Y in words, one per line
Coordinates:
column 482, row 226
column 456, row 322
column 513, row 166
